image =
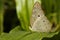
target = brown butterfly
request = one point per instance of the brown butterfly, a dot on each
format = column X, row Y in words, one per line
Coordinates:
column 39, row 21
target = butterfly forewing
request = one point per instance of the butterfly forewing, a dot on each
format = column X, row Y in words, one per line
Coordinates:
column 36, row 12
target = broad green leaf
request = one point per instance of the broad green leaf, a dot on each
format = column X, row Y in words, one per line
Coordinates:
column 4, row 36
column 30, row 35
column 16, row 34
column 38, row 36
column 17, row 28
column 1, row 16
column 55, row 37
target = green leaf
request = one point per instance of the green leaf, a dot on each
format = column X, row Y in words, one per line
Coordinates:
column 31, row 35
column 1, row 16
column 55, row 37
column 16, row 34
column 17, row 28
column 4, row 36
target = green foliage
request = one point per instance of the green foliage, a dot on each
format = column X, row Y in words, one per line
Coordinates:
column 16, row 34
column 24, row 11
column 52, row 9
column 1, row 16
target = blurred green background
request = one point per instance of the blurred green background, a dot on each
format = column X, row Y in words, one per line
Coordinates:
column 9, row 18
column 10, row 15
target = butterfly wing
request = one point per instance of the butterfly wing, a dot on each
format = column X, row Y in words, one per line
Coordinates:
column 39, row 21
column 36, row 12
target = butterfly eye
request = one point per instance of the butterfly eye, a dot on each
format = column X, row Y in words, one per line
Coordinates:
column 38, row 15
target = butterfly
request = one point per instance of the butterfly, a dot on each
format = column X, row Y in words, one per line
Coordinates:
column 38, row 20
